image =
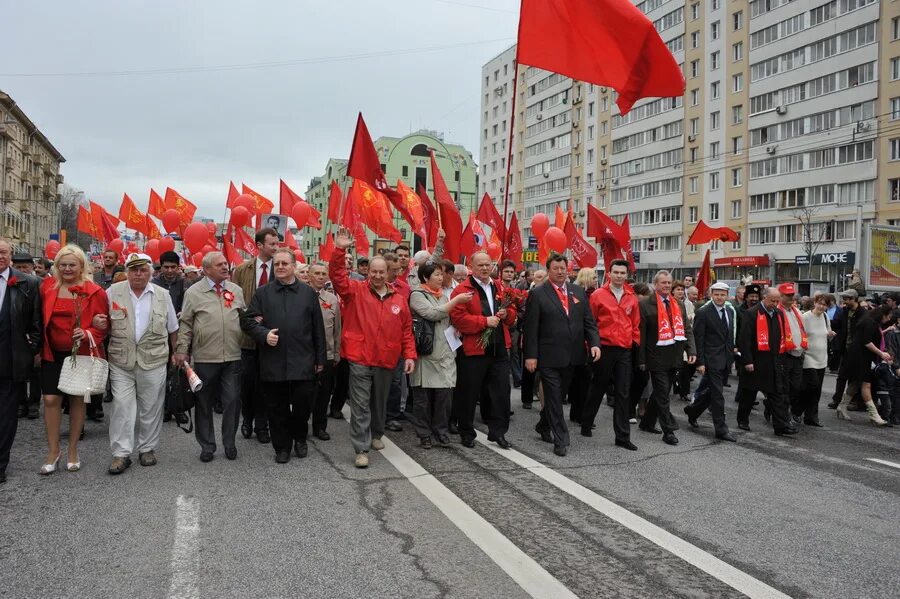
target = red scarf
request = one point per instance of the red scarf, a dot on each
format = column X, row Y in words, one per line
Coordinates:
column 804, row 338
column 762, row 330
column 668, row 333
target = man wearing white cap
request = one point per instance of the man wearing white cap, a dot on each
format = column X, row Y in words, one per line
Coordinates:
column 142, row 329
column 714, row 336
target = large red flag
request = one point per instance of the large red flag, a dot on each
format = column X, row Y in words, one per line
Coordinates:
column 472, row 238
column 706, row 276
column 263, row 204
column 85, row 223
column 605, row 42
column 327, row 248
column 628, row 248
column 232, row 195
column 364, row 163
column 372, row 207
column 231, row 253
column 584, row 253
column 334, row 202
column 488, row 214
column 450, row 219
column 703, row 233
column 350, row 219
column 133, row 218
column 244, row 242
column 289, row 240
column 155, row 206
column 176, row 201
column 512, row 247
column 409, row 205
column 560, row 218
column 104, row 223
column 430, row 224
column 150, row 228
column 286, row 198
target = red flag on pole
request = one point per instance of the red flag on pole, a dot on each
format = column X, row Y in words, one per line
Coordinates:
column 364, row 163
column 628, row 248
column 409, row 205
column 286, row 198
column 176, row 201
column 450, row 219
column 85, row 223
column 244, row 242
column 350, row 219
column 487, row 213
column 605, row 42
column 512, row 247
column 560, row 220
column 703, row 233
column 156, row 206
column 334, row 202
column 133, row 218
column 150, row 228
column 232, row 195
column 327, row 248
column 372, row 207
column 104, row 223
column 472, row 238
column 706, row 276
column 584, row 253
column 289, row 240
column 430, row 224
column 230, row 252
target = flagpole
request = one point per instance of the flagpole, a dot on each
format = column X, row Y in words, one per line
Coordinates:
column 509, row 148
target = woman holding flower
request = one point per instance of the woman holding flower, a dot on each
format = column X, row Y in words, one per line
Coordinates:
column 71, row 301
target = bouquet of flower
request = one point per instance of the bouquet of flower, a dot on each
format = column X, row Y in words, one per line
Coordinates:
column 508, row 297
column 78, row 295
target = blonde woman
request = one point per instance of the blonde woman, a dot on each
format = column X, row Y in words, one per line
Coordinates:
column 587, row 280
column 71, row 301
column 301, row 271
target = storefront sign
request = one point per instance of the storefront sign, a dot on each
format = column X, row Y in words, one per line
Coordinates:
column 529, row 256
column 742, row 261
column 837, row 258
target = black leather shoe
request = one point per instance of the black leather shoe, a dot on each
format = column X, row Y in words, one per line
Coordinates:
column 217, row 408
column 206, row 456
column 33, row 413
column 393, row 425
column 744, row 426
column 181, row 418
column 545, row 434
column 467, row 442
column 454, row 430
column 670, row 439
column 167, row 417
column 322, row 435
column 526, row 406
column 833, row 404
column 726, row 437
column 336, row 414
column 301, row 449
column 2, row 476
column 809, row 422
column 626, row 444
column 650, row 429
column 283, row 457
column 246, row 431
column 786, row 431
column 98, row 414
column 692, row 420
column 560, row 450
column 502, row 442
column 231, row 453
column 22, row 411
column 586, row 432
column 263, row 437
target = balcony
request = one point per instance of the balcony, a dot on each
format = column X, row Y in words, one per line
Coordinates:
column 36, row 157
column 9, row 194
column 11, row 164
column 6, row 130
column 48, row 167
column 59, row 179
column 35, row 180
column 49, row 191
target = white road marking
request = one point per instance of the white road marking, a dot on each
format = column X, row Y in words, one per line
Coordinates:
column 185, row 563
column 884, row 462
column 526, row 572
column 736, row 579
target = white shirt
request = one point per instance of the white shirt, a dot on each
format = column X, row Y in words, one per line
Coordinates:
column 143, row 307
column 488, row 292
column 269, row 274
column 4, row 279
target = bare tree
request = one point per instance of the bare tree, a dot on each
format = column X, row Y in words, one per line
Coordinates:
column 70, row 199
column 813, row 233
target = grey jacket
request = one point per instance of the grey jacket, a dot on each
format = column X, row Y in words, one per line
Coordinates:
column 438, row 369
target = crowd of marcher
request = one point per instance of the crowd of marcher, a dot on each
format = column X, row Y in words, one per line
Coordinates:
column 418, row 341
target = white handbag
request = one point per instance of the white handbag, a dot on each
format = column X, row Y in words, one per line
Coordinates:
column 83, row 376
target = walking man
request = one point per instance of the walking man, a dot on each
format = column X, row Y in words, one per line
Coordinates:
column 331, row 318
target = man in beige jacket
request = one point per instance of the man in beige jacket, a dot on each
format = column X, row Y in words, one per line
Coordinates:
column 210, row 335
column 331, row 314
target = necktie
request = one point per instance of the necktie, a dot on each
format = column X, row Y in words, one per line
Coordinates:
column 724, row 318
column 668, row 308
column 264, row 277
column 563, row 298
column 219, row 289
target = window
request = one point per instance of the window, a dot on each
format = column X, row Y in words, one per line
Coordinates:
column 844, row 230
column 591, row 132
column 763, row 201
column 737, row 20
column 736, row 175
column 735, row 208
column 693, row 155
column 895, row 149
column 695, row 97
column 714, row 90
column 737, row 83
column 695, row 187
column 695, row 67
column 714, row 60
column 692, row 214
column 590, row 156
column 737, row 145
column 894, row 190
column 695, row 11
column 714, row 30
column 737, row 52
column 695, row 125
column 405, row 170
column 895, row 28
column 714, row 150
column 737, row 114
column 714, row 211
column 591, row 109
column 895, row 108
column 713, row 181
column 714, row 120
column 895, row 68
column 762, row 235
column 695, row 39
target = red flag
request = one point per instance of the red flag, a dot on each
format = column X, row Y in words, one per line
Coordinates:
column 372, row 207
column 703, row 233
column 488, row 214
column 512, row 248
column 327, row 248
column 706, row 276
column 176, row 201
column 85, row 223
column 430, row 224
column 244, row 242
column 263, row 204
column 232, row 195
column 364, row 163
column 409, row 205
column 472, row 238
column 628, row 249
column 334, row 202
column 133, row 218
column 155, row 206
column 289, row 240
column 286, row 198
column 601, row 226
column 584, row 253
column 315, row 218
column 150, row 228
column 560, row 220
column 605, row 42
column 450, row 219
column 104, row 223
column 231, row 253
column 350, row 219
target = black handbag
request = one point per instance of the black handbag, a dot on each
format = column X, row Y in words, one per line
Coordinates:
column 423, row 332
column 179, row 397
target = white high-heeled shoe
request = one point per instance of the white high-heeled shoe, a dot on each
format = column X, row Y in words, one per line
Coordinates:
column 73, row 466
column 51, row 468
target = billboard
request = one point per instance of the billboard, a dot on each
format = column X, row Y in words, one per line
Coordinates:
column 883, row 272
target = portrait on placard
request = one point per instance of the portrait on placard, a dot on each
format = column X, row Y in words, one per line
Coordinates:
column 275, row 221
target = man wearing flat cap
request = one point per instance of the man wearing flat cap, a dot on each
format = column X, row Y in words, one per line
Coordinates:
column 715, row 334
column 24, row 263
column 142, row 329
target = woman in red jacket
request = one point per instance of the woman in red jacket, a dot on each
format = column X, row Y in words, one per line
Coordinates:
column 70, row 301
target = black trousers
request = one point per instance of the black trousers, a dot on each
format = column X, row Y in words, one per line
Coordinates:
column 324, row 385
column 475, row 372
column 614, row 366
column 840, row 385
column 578, row 391
column 776, row 400
column 221, row 383
column 528, row 386
column 793, row 380
column 555, row 382
column 31, row 396
column 658, row 406
column 341, row 385
column 253, row 406
column 288, row 404
column 639, row 380
column 808, row 406
column 710, row 395
column 9, row 405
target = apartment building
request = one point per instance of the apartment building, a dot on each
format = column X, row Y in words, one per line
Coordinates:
column 29, row 177
column 785, row 133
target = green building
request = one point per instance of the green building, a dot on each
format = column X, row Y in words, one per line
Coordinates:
column 405, row 158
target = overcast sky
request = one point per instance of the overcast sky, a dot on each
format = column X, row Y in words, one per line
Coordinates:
column 196, row 130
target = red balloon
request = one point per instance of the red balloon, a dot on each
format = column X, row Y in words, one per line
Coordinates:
column 151, row 248
column 246, row 201
column 132, row 247
column 211, row 227
column 300, row 213
column 555, row 239
column 207, row 249
column 195, row 237
column 171, row 220
column 51, row 249
column 116, row 245
column 539, row 224
column 494, row 251
column 240, row 216
column 166, row 244
column 197, row 260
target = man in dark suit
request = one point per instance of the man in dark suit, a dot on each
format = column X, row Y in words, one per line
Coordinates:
column 714, row 334
column 762, row 363
column 558, row 324
column 666, row 335
column 20, row 338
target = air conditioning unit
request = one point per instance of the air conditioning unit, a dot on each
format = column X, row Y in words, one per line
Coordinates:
column 638, row 167
column 540, row 116
column 546, row 175
column 575, row 124
column 581, row 213
column 692, row 138
column 498, row 90
column 576, row 101
column 782, row 109
column 603, row 161
column 565, row 100
column 601, row 186
column 863, row 126
column 614, row 180
column 602, row 90
column 771, row 149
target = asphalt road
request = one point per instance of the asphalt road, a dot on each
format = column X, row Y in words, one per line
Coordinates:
column 807, row 516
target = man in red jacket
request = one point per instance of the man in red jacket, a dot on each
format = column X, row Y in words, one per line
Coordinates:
column 377, row 331
column 484, row 362
column 615, row 308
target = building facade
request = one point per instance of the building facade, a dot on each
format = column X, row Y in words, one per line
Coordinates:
column 29, row 179
column 788, row 132
column 402, row 158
